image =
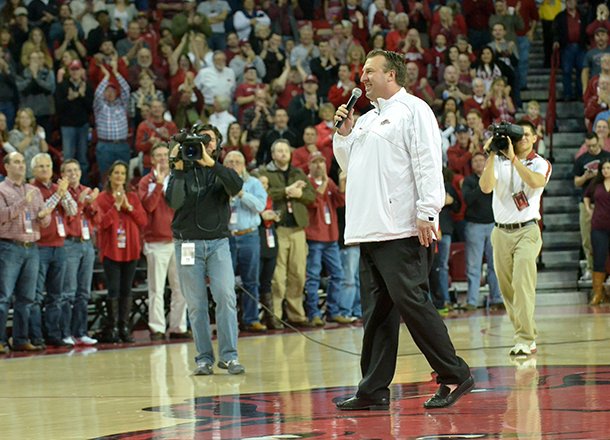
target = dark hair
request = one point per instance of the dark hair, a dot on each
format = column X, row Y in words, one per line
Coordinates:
column 597, row 180
column 115, row 164
column 393, row 61
column 525, row 123
column 592, row 135
column 210, row 127
column 67, row 162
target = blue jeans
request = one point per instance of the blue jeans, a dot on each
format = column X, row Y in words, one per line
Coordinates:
column 572, row 57
column 8, row 108
column 600, row 240
column 218, row 41
column 326, row 253
column 80, row 259
column 350, row 260
column 18, row 271
column 523, row 46
column 245, row 253
column 444, row 249
column 107, row 153
column 74, row 142
column 212, row 259
column 51, row 272
column 478, row 243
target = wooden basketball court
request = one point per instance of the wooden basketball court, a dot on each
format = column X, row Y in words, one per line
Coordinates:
column 147, row 391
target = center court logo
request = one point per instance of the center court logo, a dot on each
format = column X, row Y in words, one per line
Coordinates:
column 559, row 403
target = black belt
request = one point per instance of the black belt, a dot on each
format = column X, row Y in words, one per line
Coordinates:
column 76, row 239
column 25, row 244
column 110, row 141
column 511, row 226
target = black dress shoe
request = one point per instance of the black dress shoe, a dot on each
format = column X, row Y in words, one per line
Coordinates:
column 444, row 397
column 360, row 403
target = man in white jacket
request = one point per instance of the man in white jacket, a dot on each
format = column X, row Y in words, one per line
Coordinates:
column 395, row 191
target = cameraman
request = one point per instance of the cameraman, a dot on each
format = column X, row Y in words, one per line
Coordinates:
column 517, row 178
column 199, row 192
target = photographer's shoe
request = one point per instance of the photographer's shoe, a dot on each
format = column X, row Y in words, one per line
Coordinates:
column 233, row 367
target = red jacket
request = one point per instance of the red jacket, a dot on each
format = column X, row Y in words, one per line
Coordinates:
column 109, row 219
column 85, row 212
column 458, row 160
column 160, row 215
column 338, row 95
column 148, row 129
column 96, row 75
column 318, row 230
column 49, row 236
column 300, row 158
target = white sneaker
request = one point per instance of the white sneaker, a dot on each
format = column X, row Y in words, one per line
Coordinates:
column 522, row 349
column 86, row 340
column 586, row 276
column 69, row 340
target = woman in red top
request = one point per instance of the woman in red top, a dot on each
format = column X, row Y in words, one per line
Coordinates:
column 236, row 141
column 119, row 218
column 598, row 193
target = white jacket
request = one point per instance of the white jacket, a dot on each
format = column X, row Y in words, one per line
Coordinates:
column 393, row 161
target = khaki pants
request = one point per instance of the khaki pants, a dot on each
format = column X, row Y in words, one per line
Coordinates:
column 515, row 253
column 161, row 264
column 289, row 276
column 584, row 219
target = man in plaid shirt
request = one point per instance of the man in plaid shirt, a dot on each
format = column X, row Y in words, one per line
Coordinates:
column 110, row 110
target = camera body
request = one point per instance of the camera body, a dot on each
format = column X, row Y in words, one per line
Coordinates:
column 191, row 143
column 501, row 132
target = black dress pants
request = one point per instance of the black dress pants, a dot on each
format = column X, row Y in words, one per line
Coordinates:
column 394, row 284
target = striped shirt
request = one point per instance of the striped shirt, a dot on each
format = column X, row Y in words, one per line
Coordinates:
column 111, row 117
column 14, row 209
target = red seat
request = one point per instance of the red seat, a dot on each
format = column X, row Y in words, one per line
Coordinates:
column 457, row 262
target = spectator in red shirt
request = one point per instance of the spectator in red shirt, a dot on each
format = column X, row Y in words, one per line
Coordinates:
column 105, row 58
column 418, row 87
column 322, row 240
column 245, row 92
column 120, row 216
column 326, row 128
column 160, row 251
column 302, row 155
column 477, row 13
column 460, row 154
column 52, row 257
column 80, row 255
column 153, row 131
column 399, row 33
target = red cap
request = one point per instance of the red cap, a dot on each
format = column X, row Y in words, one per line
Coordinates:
column 75, row 65
column 311, row 79
column 316, row 155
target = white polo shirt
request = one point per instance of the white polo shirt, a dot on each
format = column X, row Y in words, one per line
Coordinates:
column 504, row 208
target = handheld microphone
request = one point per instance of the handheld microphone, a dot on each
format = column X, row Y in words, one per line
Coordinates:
column 356, row 93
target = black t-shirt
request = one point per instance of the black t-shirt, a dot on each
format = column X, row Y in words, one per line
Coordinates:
column 585, row 162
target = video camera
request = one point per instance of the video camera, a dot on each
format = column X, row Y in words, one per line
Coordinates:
column 501, row 132
column 190, row 142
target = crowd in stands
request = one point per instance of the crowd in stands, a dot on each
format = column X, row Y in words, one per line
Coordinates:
column 91, row 93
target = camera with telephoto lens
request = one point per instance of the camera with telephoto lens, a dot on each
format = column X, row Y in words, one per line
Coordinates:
column 191, row 143
column 501, row 132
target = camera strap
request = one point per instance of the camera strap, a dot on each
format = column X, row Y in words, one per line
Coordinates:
column 512, row 175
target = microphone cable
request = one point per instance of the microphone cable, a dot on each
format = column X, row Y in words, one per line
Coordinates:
column 295, row 329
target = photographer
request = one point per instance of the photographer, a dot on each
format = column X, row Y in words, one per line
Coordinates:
column 517, row 176
column 199, row 191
